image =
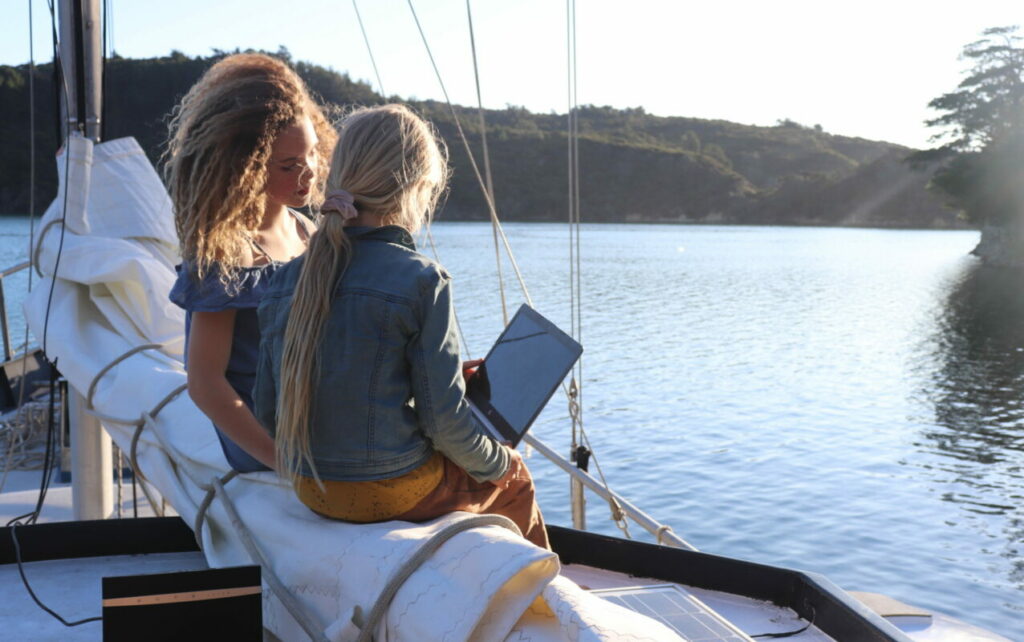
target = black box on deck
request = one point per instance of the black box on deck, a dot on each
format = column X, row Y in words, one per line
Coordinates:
column 30, row 371
column 214, row 604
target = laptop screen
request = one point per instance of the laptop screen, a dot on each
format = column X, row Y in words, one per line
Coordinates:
column 521, row 372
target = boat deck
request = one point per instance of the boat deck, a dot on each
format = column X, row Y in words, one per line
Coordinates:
column 72, row 588
column 71, row 585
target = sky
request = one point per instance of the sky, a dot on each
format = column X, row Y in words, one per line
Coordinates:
column 863, row 69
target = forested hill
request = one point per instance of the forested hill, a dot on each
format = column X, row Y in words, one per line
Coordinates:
column 633, row 166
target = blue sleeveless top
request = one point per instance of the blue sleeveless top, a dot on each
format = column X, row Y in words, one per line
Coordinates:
column 243, row 295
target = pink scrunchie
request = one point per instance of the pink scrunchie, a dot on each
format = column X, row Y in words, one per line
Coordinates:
column 340, row 202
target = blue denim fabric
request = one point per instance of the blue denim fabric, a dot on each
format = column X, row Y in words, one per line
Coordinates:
column 390, row 389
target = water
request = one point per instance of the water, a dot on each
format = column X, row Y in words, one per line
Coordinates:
column 835, row 400
column 840, row 401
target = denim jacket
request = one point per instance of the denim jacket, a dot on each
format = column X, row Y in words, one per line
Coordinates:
column 390, row 389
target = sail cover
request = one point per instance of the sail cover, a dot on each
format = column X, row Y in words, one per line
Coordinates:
column 108, row 250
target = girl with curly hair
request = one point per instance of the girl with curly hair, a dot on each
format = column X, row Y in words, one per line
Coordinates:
column 246, row 146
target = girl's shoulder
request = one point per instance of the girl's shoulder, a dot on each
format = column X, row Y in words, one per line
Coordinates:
column 213, row 292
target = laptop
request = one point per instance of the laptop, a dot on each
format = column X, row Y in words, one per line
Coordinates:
column 520, row 373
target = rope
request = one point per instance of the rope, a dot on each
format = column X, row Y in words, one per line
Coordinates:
column 305, row 619
column 132, row 453
column 197, row 525
column 105, row 369
column 384, row 600
column 664, row 528
column 617, row 514
column 39, row 245
column 140, row 424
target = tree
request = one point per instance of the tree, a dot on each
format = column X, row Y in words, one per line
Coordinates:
column 978, row 161
column 690, row 141
column 713, row 151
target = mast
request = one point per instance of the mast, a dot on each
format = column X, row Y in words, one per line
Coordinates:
column 81, row 53
column 81, row 71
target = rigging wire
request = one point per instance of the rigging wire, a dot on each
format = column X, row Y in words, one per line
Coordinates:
column 487, row 162
column 23, row 411
column 373, row 61
column 430, row 236
column 472, row 158
column 32, row 158
column 59, row 63
column 572, row 175
column 575, row 389
column 617, row 513
column 48, row 458
column 101, row 131
column 458, row 324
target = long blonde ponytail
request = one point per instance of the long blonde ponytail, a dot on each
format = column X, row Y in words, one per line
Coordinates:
column 395, row 167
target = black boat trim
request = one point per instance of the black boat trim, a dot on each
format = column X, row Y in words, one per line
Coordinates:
column 836, row 613
column 68, row 540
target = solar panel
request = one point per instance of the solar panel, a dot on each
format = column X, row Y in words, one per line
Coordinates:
column 677, row 609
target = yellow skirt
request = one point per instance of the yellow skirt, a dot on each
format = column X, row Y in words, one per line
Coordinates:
column 371, row 501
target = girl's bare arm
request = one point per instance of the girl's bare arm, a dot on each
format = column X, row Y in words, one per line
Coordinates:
column 208, row 353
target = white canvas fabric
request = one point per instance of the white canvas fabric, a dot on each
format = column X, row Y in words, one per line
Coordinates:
column 110, row 295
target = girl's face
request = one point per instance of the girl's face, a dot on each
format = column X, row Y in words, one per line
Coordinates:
column 293, row 163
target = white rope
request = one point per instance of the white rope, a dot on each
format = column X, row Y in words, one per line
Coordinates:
column 215, row 488
column 105, row 369
column 380, row 606
column 663, row 530
column 145, row 419
column 200, row 519
column 302, row 616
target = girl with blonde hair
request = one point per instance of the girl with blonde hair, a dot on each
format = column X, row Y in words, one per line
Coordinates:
column 244, row 149
column 359, row 376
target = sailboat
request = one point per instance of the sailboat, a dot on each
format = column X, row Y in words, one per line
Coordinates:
column 105, row 251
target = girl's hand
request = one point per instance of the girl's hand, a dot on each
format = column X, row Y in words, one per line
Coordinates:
column 515, row 466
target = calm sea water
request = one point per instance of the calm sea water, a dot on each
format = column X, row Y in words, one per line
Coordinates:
column 841, row 401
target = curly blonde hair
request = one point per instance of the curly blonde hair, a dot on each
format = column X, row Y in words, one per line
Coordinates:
column 218, row 148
